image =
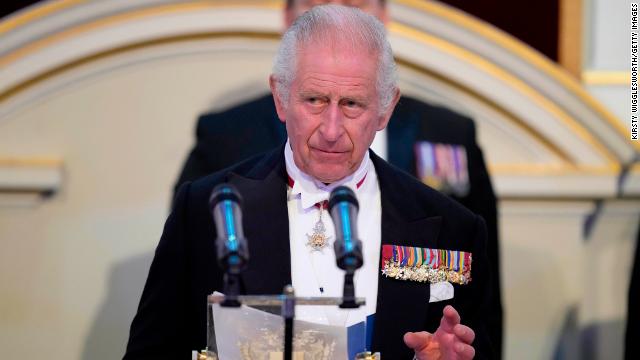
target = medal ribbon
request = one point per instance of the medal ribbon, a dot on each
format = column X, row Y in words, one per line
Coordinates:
column 454, row 265
column 405, row 256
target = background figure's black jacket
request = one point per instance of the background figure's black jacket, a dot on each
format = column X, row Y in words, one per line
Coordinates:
column 230, row 136
column 171, row 317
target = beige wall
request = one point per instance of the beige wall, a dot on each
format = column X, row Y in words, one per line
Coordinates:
column 74, row 264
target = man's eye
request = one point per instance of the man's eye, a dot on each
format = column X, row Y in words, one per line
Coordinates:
column 351, row 104
column 352, row 108
column 314, row 101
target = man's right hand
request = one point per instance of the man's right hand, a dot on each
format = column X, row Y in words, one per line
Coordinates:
column 451, row 341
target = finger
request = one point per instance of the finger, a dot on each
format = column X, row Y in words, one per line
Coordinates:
column 417, row 340
column 464, row 333
column 464, row 351
column 450, row 318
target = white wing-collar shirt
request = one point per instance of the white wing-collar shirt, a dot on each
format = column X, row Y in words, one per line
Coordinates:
column 314, row 272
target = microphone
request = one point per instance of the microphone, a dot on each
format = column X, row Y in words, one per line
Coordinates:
column 343, row 207
column 231, row 245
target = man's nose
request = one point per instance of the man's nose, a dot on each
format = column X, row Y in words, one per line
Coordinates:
column 332, row 125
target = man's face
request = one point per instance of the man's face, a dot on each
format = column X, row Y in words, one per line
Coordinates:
column 373, row 7
column 333, row 112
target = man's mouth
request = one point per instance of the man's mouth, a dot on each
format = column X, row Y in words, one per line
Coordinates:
column 330, row 153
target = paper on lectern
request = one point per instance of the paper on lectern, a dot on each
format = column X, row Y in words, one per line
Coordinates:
column 246, row 333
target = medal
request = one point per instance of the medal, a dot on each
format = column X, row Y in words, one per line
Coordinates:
column 318, row 239
column 426, row 265
column 443, row 167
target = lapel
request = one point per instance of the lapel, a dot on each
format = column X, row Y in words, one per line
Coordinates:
column 264, row 193
column 401, row 305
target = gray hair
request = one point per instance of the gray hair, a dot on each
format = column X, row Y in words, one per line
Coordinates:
column 331, row 25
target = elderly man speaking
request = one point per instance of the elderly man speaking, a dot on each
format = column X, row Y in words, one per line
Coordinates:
column 425, row 273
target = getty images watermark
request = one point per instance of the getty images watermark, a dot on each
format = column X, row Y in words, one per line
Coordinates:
column 634, row 72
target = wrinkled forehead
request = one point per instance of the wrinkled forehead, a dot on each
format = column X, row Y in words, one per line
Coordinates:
column 342, row 62
column 340, row 40
column 338, row 56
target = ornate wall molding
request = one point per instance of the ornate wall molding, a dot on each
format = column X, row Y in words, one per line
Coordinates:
column 563, row 133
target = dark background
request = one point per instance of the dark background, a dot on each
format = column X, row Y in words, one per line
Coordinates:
column 7, row 7
column 534, row 22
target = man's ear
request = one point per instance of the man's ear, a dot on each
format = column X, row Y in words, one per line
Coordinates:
column 273, row 84
column 386, row 116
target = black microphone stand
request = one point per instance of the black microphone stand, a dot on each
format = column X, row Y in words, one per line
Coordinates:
column 231, row 282
column 288, row 313
column 348, row 291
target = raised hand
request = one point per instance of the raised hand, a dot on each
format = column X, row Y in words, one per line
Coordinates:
column 451, row 341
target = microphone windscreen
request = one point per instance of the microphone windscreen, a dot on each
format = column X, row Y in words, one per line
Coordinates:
column 340, row 194
column 224, row 191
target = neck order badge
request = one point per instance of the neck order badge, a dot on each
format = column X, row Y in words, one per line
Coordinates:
column 318, row 239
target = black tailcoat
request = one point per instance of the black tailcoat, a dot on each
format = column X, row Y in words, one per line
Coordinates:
column 171, row 318
column 227, row 137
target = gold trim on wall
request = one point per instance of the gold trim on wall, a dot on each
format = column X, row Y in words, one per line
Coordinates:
column 549, row 169
column 525, row 53
column 570, row 36
column 118, row 18
column 36, row 12
column 566, row 166
column 451, row 14
column 507, row 78
column 41, row 10
column 599, row 78
column 36, row 161
column 523, row 126
column 454, row 15
column 24, row 85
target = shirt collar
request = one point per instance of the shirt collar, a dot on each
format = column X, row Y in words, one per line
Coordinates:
column 312, row 191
